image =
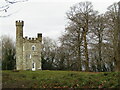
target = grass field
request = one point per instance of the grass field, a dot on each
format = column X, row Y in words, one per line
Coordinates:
column 59, row 79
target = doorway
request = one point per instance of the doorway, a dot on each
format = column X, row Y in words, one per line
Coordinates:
column 33, row 66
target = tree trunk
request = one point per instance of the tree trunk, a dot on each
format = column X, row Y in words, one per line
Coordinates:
column 99, row 50
column 86, row 51
column 79, row 52
column 118, row 46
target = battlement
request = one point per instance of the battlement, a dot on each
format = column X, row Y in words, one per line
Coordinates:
column 39, row 35
column 29, row 39
column 19, row 23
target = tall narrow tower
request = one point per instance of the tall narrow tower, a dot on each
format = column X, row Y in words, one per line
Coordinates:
column 19, row 45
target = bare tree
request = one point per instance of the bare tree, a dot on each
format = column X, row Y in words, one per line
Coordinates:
column 6, row 4
column 118, row 46
column 69, row 43
column 81, row 14
column 113, row 25
column 49, row 47
column 8, row 53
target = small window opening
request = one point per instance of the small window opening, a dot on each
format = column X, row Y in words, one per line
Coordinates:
column 33, row 48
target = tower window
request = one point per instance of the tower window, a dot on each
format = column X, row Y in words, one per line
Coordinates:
column 30, row 56
column 33, row 47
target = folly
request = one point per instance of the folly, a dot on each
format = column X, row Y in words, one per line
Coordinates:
column 28, row 50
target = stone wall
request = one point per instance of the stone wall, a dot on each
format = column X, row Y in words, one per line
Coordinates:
column 30, row 55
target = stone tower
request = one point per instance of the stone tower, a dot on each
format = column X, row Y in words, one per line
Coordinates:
column 28, row 50
column 19, row 44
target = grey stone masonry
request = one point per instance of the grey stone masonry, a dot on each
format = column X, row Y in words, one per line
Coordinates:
column 28, row 50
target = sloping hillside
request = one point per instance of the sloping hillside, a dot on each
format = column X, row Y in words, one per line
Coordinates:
column 59, row 79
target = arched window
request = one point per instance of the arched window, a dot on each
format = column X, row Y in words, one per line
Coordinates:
column 33, row 47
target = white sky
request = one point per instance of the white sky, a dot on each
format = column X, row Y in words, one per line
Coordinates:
column 43, row 16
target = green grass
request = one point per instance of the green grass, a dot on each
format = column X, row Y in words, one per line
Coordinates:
column 59, row 79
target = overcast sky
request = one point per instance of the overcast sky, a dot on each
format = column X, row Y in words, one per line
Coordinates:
column 43, row 16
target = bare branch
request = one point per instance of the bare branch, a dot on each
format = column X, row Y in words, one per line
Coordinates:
column 8, row 3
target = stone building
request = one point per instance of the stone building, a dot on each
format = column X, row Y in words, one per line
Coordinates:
column 28, row 50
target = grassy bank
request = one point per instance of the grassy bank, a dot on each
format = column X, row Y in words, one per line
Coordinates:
column 59, row 79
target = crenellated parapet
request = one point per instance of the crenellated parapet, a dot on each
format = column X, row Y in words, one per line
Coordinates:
column 39, row 36
column 19, row 23
column 32, row 39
